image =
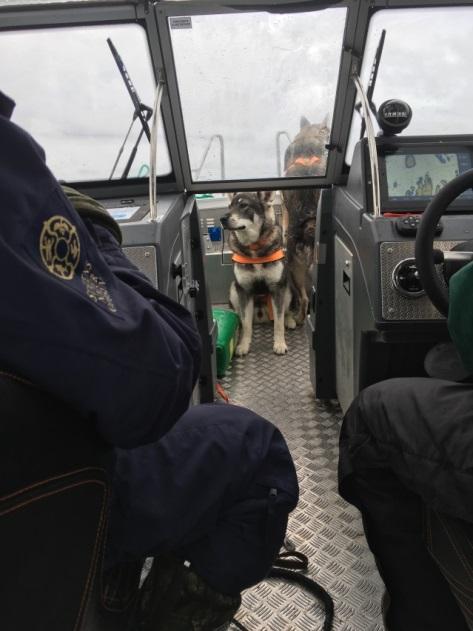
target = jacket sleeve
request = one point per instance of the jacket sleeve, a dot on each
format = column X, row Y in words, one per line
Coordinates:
column 174, row 322
column 77, row 318
column 177, row 316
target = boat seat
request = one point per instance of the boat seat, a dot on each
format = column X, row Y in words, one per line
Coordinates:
column 54, row 491
column 450, row 542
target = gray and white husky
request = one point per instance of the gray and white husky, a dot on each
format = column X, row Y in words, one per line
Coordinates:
column 259, row 265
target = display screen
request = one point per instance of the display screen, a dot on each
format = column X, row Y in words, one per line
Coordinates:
column 419, row 176
column 121, row 214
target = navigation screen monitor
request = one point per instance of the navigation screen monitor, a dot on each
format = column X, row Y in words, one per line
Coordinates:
column 419, row 176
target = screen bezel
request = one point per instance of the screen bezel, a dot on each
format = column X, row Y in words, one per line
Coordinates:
column 416, row 148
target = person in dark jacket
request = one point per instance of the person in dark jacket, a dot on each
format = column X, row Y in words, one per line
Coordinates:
column 406, row 449
column 206, row 491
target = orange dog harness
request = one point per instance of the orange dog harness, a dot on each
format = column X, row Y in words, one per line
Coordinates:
column 305, row 162
column 277, row 255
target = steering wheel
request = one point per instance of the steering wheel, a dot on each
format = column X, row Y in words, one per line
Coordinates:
column 424, row 252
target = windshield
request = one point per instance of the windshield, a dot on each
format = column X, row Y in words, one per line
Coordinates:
column 426, row 61
column 245, row 82
column 72, row 98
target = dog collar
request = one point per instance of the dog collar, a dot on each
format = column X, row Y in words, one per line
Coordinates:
column 277, row 255
column 305, row 162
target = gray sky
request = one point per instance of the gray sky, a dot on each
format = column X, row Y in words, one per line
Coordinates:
column 427, row 62
column 71, row 97
column 246, row 77
column 251, row 76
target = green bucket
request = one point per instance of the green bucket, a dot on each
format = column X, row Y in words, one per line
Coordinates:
column 227, row 337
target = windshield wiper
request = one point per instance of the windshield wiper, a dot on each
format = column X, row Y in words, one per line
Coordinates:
column 141, row 111
column 372, row 80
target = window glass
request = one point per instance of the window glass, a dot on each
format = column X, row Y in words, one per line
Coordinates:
column 245, row 81
column 426, row 61
column 32, row 2
column 71, row 97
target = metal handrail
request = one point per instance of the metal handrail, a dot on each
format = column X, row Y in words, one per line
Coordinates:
column 371, row 145
column 219, row 137
column 278, row 149
column 153, row 147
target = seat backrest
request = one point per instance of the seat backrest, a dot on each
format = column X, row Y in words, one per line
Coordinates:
column 53, row 512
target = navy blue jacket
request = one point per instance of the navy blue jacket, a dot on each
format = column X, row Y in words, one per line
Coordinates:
column 76, row 317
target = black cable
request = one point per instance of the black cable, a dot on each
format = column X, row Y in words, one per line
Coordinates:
column 300, row 561
column 311, row 586
column 292, row 560
column 239, row 625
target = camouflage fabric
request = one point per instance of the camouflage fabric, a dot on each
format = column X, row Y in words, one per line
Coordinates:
column 460, row 314
column 90, row 208
column 174, row 598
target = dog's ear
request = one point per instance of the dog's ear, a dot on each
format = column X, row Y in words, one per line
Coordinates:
column 267, row 197
column 304, row 122
column 230, row 197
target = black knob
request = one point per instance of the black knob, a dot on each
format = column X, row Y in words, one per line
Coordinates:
column 406, row 279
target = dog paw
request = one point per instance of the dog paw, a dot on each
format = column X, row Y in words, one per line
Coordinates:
column 290, row 322
column 280, row 348
column 242, row 349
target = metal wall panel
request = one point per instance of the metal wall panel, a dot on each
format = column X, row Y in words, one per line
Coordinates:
column 396, row 306
column 344, row 325
column 144, row 257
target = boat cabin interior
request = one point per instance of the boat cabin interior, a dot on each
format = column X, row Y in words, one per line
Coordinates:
column 161, row 111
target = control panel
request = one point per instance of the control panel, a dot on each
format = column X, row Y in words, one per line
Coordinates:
column 407, row 226
column 402, row 294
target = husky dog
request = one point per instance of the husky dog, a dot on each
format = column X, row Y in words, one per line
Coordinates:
column 305, row 156
column 259, row 265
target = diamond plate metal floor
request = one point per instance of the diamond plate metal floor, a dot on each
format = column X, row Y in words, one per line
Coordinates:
column 323, row 526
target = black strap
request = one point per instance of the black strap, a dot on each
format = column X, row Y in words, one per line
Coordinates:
column 300, row 562
column 292, row 560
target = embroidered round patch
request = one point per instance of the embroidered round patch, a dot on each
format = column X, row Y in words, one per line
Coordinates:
column 60, row 247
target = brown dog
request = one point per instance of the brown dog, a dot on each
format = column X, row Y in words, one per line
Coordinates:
column 306, row 156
